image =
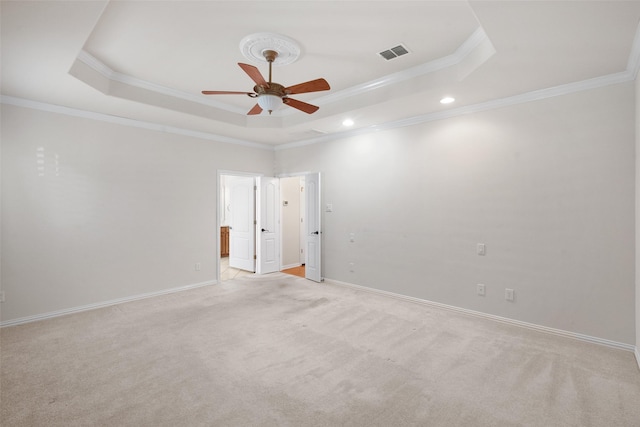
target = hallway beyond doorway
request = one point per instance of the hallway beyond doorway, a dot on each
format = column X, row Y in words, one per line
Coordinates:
column 296, row 271
column 228, row 273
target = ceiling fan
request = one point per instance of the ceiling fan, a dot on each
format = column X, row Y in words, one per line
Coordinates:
column 271, row 95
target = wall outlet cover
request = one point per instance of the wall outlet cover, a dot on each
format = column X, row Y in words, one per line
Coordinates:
column 509, row 294
column 481, row 249
column 481, row 289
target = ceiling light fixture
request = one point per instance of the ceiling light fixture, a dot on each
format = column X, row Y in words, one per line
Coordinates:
column 447, row 100
column 269, row 102
column 347, row 122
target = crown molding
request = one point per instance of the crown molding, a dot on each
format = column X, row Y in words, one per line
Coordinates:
column 460, row 54
column 611, row 79
column 98, row 66
column 537, row 95
column 35, row 105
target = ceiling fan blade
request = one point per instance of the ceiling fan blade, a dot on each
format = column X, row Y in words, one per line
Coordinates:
column 254, row 73
column 224, row 92
column 310, row 86
column 302, row 106
column 255, row 110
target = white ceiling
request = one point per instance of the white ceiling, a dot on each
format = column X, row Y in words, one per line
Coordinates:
column 148, row 60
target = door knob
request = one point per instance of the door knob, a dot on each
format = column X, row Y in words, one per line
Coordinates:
column 315, row 232
column 263, row 230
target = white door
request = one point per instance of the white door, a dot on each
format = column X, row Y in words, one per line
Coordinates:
column 268, row 225
column 242, row 227
column 313, row 229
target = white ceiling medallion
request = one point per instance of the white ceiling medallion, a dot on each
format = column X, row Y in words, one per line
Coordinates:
column 253, row 46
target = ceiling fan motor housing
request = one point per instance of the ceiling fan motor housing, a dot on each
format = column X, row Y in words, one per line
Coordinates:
column 272, row 89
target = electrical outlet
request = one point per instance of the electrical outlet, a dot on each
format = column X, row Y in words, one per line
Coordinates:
column 509, row 294
column 480, row 289
column 197, row 266
column 351, row 267
column 481, row 249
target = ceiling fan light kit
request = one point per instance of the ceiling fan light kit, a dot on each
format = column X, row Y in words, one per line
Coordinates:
column 269, row 102
column 271, row 95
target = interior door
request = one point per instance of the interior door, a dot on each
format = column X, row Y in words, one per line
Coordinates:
column 242, row 227
column 313, row 229
column 268, row 225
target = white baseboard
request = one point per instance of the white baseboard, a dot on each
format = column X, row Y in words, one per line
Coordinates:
column 539, row 328
column 284, row 267
column 94, row 306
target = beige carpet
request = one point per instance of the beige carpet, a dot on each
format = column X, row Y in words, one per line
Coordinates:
column 283, row 351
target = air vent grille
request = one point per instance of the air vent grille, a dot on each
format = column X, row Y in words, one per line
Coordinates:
column 394, row 52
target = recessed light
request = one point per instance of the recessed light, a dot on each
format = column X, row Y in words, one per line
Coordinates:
column 447, row 100
column 347, row 122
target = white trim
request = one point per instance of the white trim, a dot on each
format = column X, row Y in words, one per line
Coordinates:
column 637, row 354
column 536, row 95
column 35, row 105
column 98, row 66
column 103, row 304
column 597, row 82
column 465, row 49
column 451, row 60
column 288, row 266
column 533, row 326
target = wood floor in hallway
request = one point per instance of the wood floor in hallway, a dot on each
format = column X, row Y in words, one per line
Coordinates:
column 296, row 271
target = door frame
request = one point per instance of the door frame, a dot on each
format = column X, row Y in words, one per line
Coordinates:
column 220, row 173
column 303, row 175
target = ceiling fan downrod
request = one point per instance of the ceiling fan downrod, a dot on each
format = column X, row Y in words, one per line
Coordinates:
column 270, row 56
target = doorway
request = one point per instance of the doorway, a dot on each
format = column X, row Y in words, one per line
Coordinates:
column 292, row 220
column 252, row 209
column 310, row 240
column 236, row 231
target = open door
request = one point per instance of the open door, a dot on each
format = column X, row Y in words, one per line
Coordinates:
column 242, row 227
column 313, row 228
column 268, row 225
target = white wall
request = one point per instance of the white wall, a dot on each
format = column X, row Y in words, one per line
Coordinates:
column 548, row 186
column 116, row 211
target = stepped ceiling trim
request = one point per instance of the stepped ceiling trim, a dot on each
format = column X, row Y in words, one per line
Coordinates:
column 464, row 52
